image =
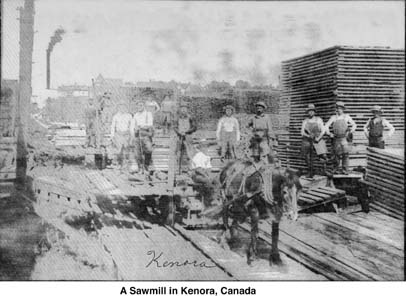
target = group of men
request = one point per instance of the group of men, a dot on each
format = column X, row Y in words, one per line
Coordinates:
column 343, row 128
column 135, row 132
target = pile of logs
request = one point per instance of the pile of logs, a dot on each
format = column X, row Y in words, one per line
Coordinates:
column 385, row 179
column 360, row 77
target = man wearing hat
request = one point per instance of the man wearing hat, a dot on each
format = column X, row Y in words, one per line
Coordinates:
column 374, row 128
column 184, row 127
column 228, row 132
column 262, row 134
column 343, row 128
column 312, row 132
column 142, row 130
column 120, row 132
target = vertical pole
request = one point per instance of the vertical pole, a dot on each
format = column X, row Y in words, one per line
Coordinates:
column 25, row 89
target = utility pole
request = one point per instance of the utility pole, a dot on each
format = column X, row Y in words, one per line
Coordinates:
column 25, row 89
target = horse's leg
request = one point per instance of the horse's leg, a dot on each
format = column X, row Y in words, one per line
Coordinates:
column 226, row 234
column 275, row 258
column 252, row 249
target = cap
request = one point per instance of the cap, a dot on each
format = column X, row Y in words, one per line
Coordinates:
column 340, row 104
column 311, row 107
column 376, row 108
column 229, row 107
column 260, row 103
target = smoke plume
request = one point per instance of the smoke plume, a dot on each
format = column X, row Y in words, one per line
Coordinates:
column 56, row 38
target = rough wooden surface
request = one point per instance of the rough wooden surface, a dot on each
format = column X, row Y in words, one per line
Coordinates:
column 356, row 246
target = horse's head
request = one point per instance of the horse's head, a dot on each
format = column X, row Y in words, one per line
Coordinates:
column 290, row 188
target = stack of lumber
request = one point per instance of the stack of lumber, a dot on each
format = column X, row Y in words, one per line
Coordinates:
column 70, row 137
column 385, row 178
column 8, row 158
column 359, row 77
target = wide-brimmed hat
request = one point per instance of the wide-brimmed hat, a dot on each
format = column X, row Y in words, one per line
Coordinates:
column 261, row 103
column 183, row 104
column 311, row 107
column 376, row 108
column 229, row 107
column 340, row 104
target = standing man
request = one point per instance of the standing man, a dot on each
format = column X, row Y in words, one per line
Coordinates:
column 120, row 132
column 142, row 130
column 168, row 107
column 228, row 132
column 343, row 129
column 374, row 128
column 184, row 127
column 312, row 133
column 90, row 123
column 262, row 135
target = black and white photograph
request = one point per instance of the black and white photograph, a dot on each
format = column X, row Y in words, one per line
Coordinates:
column 207, row 141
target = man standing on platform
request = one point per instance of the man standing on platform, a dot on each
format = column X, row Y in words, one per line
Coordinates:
column 374, row 128
column 184, row 127
column 120, row 133
column 343, row 129
column 262, row 135
column 228, row 132
column 312, row 133
column 142, row 130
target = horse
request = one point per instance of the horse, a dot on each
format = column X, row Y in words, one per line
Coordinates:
column 259, row 192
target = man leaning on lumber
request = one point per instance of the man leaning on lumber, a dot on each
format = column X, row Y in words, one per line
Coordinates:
column 312, row 133
column 374, row 129
column 343, row 130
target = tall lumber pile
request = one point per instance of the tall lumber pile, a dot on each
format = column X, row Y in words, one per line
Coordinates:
column 385, row 178
column 360, row 77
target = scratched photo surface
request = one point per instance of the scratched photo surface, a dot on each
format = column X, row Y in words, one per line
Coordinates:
column 208, row 140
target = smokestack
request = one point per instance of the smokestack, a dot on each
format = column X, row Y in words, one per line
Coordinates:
column 56, row 38
column 48, row 69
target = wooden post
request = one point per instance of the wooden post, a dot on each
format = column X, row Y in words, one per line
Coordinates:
column 24, row 98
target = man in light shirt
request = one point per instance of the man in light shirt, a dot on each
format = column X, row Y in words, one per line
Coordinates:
column 343, row 128
column 374, row 128
column 228, row 132
column 120, row 132
column 200, row 172
column 142, row 130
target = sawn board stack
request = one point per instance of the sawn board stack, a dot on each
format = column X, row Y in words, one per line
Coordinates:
column 360, row 77
column 385, row 178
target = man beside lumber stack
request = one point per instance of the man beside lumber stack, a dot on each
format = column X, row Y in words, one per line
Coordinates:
column 228, row 132
column 142, row 131
column 262, row 135
column 120, row 133
column 184, row 127
column 343, row 130
column 374, row 128
column 312, row 133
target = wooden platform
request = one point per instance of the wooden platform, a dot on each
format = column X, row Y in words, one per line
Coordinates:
column 320, row 196
column 355, row 246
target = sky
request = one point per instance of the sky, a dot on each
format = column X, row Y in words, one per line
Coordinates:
column 191, row 41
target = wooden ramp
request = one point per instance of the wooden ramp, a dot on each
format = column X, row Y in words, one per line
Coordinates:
column 356, row 246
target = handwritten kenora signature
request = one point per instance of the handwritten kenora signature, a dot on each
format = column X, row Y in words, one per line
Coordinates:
column 159, row 262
